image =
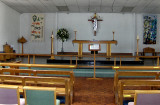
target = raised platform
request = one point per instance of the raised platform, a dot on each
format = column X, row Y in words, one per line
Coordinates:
column 99, row 61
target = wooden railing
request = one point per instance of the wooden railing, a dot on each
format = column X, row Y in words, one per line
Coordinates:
column 76, row 56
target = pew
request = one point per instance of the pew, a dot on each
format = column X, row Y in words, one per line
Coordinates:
column 133, row 68
column 39, row 81
column 30, row 72
column 132, row 75
column 123, row 93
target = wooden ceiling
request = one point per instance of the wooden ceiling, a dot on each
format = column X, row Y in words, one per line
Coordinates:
column 84, row 6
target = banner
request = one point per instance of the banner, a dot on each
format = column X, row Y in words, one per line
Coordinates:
column 37, row 27
column 150, row 29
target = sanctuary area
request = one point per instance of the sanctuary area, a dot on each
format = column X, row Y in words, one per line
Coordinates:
column 79, row 52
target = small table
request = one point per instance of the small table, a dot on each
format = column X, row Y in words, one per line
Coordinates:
column 107, row 42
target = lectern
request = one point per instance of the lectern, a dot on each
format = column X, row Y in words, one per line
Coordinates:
column 94, row 48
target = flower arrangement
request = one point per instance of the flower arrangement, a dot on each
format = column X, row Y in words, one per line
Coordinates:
column 62, row 34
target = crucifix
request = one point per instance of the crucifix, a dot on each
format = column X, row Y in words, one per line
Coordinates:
column 95, row 20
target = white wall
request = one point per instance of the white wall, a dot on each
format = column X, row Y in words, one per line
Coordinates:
column 9, row 26
column 122, row 24
column 126, row 27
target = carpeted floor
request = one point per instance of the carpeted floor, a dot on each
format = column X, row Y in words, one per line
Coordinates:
column 93, row 92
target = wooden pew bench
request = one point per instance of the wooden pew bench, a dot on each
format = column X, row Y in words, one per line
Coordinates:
column 124, row 93
column 132, row 75
column 39, row 81
column 10, row 95
column 43, row 73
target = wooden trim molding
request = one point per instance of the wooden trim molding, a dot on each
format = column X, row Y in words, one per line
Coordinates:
column 88, row 53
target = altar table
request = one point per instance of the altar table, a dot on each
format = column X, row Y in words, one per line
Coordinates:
column 107, row 42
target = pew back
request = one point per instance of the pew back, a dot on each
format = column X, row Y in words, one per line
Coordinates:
column 34, row 95
column 134, row 83
column 149, row 97
column 46, row 73
column 133, row 74
column 40, row 81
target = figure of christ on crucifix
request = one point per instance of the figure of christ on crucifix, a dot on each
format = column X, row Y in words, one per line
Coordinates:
column 95, row 20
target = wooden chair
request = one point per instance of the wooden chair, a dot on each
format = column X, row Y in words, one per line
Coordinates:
column 9, row 94
column 146, row 97
column 123, row 93
column 149, row 50
column 40, row 96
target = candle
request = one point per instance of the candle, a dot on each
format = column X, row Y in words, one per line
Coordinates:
column 113, row 35
column 75, row 33
column 75, row 30
column 137, row 37
column 52, row 35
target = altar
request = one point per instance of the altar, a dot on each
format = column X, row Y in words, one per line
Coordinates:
column 107, row 42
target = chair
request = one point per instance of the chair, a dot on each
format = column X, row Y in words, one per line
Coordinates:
column 146, row 97
column 9, row 94
column 40, row 96
column 149, row 50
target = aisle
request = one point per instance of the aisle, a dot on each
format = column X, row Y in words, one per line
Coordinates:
column 94, row 92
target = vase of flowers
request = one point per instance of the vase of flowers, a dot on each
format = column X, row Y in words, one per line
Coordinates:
column 63, row 35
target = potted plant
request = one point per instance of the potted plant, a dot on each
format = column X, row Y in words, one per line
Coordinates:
column 63, row 35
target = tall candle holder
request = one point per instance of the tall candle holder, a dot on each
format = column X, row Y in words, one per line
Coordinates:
column 75, row 34
column 52, row 50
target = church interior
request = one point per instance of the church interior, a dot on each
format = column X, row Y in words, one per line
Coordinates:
column 79, row 52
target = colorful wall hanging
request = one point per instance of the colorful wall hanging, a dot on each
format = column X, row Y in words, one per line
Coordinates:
column 150, row 29
column 37, row 27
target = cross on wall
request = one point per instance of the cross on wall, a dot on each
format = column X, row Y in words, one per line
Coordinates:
column 95, row 20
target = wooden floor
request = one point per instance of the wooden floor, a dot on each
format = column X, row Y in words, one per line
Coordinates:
column 93, row 92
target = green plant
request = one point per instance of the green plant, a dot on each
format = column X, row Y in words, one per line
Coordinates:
column 62, row 34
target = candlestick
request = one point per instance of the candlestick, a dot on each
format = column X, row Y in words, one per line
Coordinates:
column 52, row 50
column 75, row 34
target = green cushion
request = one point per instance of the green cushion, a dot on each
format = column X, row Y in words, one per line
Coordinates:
column 38, row 97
